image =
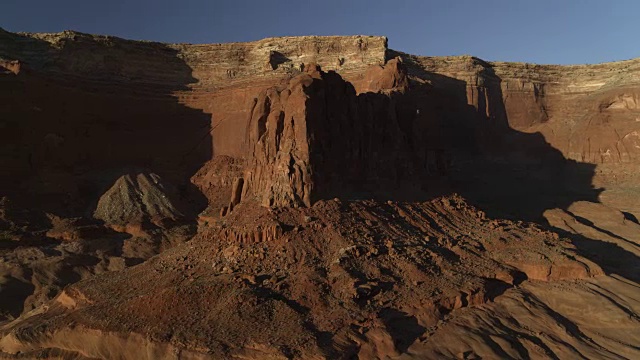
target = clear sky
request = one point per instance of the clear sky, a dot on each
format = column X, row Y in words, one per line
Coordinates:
column 537, row 31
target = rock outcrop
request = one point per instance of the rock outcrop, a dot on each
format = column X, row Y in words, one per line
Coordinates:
column 588, row 112
column 317, row 138
column 317, row 180
column 112, row 59
column 138, row 198
column 191, row 102
column 210, row 101
column 342, row 283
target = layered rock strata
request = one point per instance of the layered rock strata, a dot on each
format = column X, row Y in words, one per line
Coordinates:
column 314, row 178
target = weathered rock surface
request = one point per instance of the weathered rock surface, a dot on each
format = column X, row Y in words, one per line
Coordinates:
column 137, row 198
column 201, row 99
column 318, row 139
column 588, row 112
column 343, row 284
column 316, row 179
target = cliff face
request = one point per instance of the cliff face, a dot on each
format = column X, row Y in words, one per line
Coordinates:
column 319, row 139
column 588, row 112
column 83, row 106
column 321, row 182
column 592, row 112
column 94, row 105
column 89, row 109
column 213, row 66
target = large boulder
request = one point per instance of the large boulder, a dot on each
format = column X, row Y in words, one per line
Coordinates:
column 140, row 198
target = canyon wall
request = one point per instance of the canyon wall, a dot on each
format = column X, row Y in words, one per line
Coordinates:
column 287, row 120
column 588, row 112
column 329, row 185
column 83, row 111
column 319, row 139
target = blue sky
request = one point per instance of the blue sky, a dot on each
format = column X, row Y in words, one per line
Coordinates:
column 537, row 31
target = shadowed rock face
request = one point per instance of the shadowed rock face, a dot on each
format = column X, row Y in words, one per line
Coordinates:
column 82, row 111
column 194, row 103
column 326, row 184
column 588, row 112
column 317, row 139
column 161, row 108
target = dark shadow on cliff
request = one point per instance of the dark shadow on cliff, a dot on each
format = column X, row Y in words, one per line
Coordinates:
column 505, row 172
column 78, row 115
column 427, row 141
column 371, row 145
column 612, row 258
column 86, row 111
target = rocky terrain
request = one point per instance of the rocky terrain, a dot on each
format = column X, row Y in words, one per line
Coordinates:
column 313, row 197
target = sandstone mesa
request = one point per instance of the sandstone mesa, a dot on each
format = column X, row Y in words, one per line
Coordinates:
column 313, row 197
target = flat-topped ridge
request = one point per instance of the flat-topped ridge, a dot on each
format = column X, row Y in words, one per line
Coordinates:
column 54, row 37
column 207, row 65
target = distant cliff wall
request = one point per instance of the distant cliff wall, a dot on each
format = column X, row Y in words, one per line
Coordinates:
column 590, row 113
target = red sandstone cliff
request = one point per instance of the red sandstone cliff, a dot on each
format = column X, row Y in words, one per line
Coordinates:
column 198, row 103
column 313, row 178
column 588, row 112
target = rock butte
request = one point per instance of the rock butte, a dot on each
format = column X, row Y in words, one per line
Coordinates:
column 313, row 197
